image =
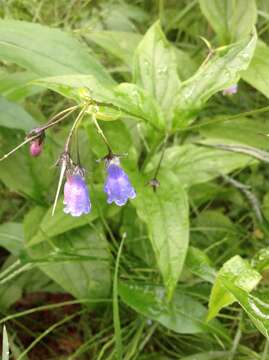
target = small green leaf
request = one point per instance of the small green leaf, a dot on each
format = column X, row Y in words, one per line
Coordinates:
column 165, row 213
column 13, row 116
column 46, row 51
column 183, row 314
column 221, row 71
column 155, row 67
column 238, row 272
column 231, row 19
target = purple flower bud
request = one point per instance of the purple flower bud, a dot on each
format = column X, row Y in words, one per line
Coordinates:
column 76, row 196
column 118, row 186
column 231, row 90
column 36, row 147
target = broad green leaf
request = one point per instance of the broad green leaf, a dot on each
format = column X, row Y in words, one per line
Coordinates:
column 198, row 263
column 257, row 310
column 78, row 261
column 221, row 71
column 16, row 86
column 238, row 272
column 186, row 66
column 14, row 116
column 195, row 164
column 118, row 43
column 257, row 72
column 11, row 237
column 239, row 131
column 165, row 213
column 231, row 19
column 183, row 314
column 47, row 51
column 127, row 97
column 155, row 67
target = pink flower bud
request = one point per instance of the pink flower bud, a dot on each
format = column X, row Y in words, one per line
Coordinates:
column 35, row 147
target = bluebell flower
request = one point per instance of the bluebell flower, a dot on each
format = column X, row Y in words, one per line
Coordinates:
column 76, row 195
column 117, row 185
column 231, row 90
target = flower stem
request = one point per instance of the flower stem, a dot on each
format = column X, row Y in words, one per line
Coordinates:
column 53, row 121
column 101, row 133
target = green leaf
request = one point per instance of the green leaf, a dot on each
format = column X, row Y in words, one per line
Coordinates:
column 195, row 164
column 221, row 71
column 14, row 116
column 183, row 314
column 238, row 131
column 257, row 72
column 257, row 310
column 231, row 19
column 155, row 67
column 78, row 261
column 198, row 263
column 165, row 213
column 118, row 43
column 238, row 272
column 127, row 97
column 47, row 51
column 11, row 237
column 16, row 86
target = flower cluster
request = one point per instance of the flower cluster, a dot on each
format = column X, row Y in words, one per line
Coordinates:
column 76, row 194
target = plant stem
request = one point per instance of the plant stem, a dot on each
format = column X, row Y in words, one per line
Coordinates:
column 101, row 133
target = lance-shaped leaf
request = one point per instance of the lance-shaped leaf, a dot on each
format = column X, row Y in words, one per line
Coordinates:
column 238, row 272
column 165, row 213
column 155, row 67
column 46, row 51
column 231, row 19
column 221, row 71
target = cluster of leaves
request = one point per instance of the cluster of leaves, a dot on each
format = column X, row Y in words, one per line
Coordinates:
column 172, row 259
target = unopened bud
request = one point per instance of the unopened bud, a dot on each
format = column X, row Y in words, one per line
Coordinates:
column 36, row 147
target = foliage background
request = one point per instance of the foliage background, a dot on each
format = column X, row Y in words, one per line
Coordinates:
column 180, row 273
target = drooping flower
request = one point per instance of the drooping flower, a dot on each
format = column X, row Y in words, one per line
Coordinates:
column 76, row 195
column 36, row 147
column 231, row 90
column 117, row 185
